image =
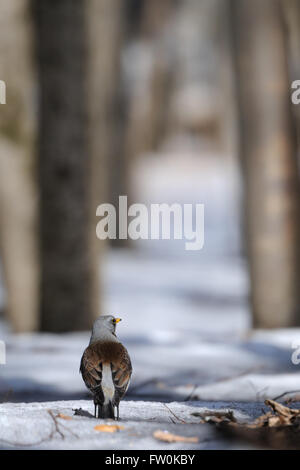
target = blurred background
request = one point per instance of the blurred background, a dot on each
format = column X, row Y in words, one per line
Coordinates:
column 164, row 101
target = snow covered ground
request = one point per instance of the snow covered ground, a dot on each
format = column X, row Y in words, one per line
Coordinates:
column 54, row 425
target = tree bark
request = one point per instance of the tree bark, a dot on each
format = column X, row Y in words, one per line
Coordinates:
column 74, row 76
column 291, row 10
column 268, row 153
column 18, row 192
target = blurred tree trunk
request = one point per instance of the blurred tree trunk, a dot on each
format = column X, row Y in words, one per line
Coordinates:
column 75, row 72
column 268, row 152
column 139, row 109
column 292, row 16
column 118, row 183
column 152, row 83
column 18, row 202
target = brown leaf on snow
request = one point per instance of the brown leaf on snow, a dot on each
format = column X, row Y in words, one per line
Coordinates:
column 62, row 416
column 108, row 427
column 168, row 437
column 283, row 416
column 282, row 410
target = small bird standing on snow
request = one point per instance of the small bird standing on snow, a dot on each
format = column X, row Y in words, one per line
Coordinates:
column 106, row 367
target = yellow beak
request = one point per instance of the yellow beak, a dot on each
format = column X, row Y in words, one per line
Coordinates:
column 118, row 319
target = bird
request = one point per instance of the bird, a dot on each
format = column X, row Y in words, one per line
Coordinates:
column 106, row 367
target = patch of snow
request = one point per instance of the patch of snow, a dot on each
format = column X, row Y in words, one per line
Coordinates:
column 31, row 426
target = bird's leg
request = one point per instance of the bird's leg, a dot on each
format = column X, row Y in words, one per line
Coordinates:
column 95, row 412
column 117, row 412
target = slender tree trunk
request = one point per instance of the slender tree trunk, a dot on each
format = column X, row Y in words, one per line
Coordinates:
column 73, row 73
column 268, row 152
column 292, row 17
column 18, row 201
column 149, row 105
column 137, row 127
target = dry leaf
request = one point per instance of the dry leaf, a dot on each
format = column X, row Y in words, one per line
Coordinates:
column 62, row 416
column 168, row 437
column 279, row 416
column 276, row 429
column 274, row 421
column 282, row 410
column 108, row 427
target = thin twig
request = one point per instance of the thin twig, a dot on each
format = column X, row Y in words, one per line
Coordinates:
column 225, row 379
column 62, row 425
column 190, row 396
column 41, row 441
column 22, row 444
column 286, row 393
column 55, row 424
column 7, row 395
column 179, row 419
column 238, row 376
column 136, row 387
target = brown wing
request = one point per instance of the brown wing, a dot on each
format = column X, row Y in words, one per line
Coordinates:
column 92, row 362
column 91, row 368
column 121, row 372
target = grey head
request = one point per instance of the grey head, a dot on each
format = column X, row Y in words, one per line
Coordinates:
column 104, row 328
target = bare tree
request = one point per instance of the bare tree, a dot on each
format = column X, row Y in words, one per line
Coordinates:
column 74, row 72
column 140, row 103
column 18, row 201
column 268, row 152
column 291, row 10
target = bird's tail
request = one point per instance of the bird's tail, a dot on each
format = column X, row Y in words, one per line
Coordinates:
column 106, row 411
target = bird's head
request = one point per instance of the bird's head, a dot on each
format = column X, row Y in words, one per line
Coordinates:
column 103, row 326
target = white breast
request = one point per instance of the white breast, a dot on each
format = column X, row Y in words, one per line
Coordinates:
column 107, row 384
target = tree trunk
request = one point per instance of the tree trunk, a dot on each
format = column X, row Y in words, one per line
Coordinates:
column 268, row 152
column 137, row 127
column 292, row 16
column 18, row 201
column 74, row 76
